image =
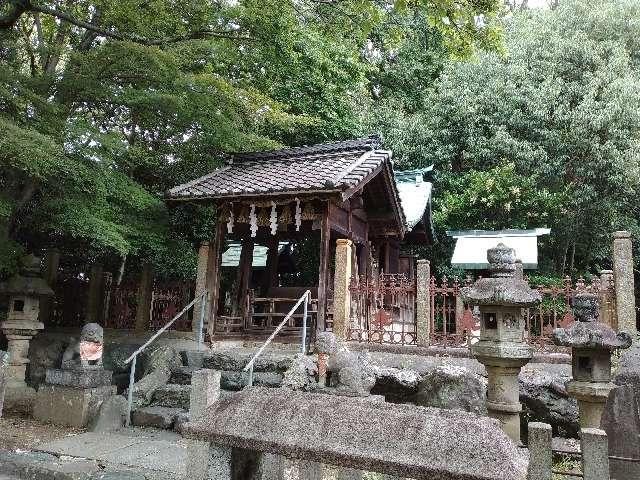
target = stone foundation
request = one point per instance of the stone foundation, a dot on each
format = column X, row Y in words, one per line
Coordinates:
column 69, row 406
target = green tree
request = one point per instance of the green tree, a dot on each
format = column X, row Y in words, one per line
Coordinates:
column 560, row 106
column 105, row 104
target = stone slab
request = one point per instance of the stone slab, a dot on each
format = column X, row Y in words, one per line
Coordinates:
column 70, row 406
column 79, row 378
column 415, row 442
column 173, row 396
column 91, row 445
column 156, row 417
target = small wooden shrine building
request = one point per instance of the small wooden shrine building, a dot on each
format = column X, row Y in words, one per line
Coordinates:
column 296, row 203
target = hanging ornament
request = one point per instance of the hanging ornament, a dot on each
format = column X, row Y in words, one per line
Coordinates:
column 253, row 221
column 308, row 213
column 263, row 218
column 231, row 220
column 273, row 219
column 285, row 216
column 243, row 216
column 298, row 215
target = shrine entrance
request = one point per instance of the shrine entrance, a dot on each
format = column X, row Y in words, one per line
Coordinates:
column 281, row 214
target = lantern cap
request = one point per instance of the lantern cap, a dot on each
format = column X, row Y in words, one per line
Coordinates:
column 587, row 332
column 503, row 287
column 28, row 281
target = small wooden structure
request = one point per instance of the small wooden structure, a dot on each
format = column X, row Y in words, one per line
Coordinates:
column 296, row 202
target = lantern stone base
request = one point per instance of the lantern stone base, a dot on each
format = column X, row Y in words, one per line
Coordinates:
column 592, row 399
column 74, row 407
column 503, row 362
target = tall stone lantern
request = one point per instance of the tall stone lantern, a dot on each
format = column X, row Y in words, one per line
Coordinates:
column 25, row 291
column 591, row 345
column 501, row 348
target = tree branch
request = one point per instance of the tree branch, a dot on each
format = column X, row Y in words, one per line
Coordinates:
column 18, row 7
column 227, row 34
column 15, row 11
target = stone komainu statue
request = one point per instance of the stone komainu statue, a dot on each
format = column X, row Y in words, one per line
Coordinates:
column 87, row 353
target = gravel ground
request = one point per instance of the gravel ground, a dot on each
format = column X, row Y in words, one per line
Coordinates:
column 17, row 432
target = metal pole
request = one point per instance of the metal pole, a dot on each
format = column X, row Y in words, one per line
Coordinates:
column 132, row 376
column 304, row 323
column 251, row 376
column 203, row 305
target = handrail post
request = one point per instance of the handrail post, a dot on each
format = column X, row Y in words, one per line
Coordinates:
column 304, row 322
column 304, row 298
column 132, row 376
column 204, row 298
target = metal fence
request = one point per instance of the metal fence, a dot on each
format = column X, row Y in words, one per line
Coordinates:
column 383, row 309
column 454, row 323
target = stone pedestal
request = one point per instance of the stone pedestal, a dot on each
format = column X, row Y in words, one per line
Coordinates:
column 72, row 397
column 19, row 334
column 501, row 348
column 592, row 399
column 503, row 400
column 25, row 292
column 591, row 345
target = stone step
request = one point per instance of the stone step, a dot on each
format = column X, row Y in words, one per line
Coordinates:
column 236, row 359
column 156, row 417
column 172, row 396
column 230, row 380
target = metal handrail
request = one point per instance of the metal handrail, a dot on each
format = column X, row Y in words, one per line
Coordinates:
column 204, row 297
column 306, row 296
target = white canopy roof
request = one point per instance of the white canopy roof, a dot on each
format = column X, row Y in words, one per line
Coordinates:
column 472, row 245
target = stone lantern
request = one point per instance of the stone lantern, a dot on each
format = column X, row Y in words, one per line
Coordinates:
column 591, row 345
column 501, row 348
column 25, row 291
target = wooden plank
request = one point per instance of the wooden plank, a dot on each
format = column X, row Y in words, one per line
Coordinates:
column 213, row 276
column 325, row 239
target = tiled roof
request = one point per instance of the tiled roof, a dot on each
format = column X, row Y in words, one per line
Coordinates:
column 323, row 168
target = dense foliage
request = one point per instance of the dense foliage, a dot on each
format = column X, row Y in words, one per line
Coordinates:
column 543, row 133
column 105, row 104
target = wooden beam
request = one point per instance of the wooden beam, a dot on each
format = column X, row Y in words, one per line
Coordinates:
column 325, row 238
column 213, row 276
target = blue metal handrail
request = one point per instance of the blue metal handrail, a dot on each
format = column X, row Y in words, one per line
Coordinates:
column 306, row 296
column 204, row 297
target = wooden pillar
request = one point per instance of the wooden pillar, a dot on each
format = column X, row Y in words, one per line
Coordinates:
column 270, row 278
column 325, row 237
column 51, row 265
column 201, row 278
column 244, row 278
column 213, row 277
column 145, row 292
column 95, row 294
